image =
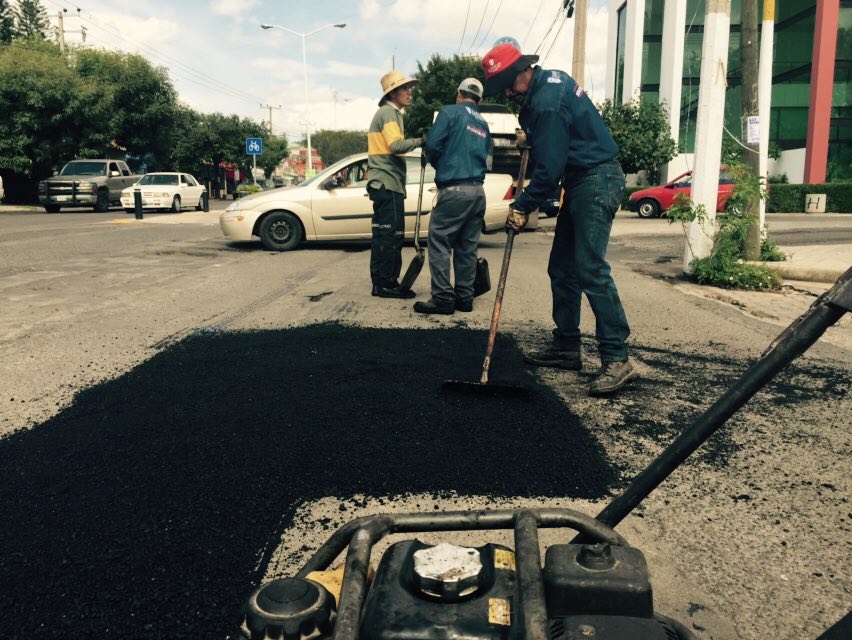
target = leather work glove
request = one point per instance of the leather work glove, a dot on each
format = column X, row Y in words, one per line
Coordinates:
column 516, row 220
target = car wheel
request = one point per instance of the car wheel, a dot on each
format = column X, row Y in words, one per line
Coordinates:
column 102, row 202
column 648, row 208
column 176, row 205
column 52, row 208
column 280, row 231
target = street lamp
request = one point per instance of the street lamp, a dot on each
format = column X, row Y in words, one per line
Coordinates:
column 310, row 164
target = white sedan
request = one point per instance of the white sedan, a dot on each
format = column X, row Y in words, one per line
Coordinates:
column 334, row 205
column 167, row 190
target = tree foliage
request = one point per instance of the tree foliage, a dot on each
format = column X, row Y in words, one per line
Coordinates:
column 335, row 145
column 7, row 22
column 275, row 149
column 202, row 140
column 31, row 19
column 137, row 100
column 640, row 128
column 438, row 82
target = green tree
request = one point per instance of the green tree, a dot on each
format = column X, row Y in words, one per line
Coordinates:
column 138, row 100
column 439, row 80
column 275, row 149
column 640, row 128
column 47, row 109
column 202, row 140
column 31, row 19
column 7, row 22
column 336, row 145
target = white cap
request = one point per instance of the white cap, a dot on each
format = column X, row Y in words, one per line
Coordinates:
column 471, row 85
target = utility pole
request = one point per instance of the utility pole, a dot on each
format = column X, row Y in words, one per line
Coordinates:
column 270, row 107
column 764, row 81
column 578, row 64
column 708, row 130
column 60, row 31
column 749, row 101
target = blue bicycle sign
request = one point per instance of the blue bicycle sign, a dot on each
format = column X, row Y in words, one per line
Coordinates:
column 254, row 146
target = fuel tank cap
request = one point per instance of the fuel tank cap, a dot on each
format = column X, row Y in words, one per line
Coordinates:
column 289, row 608
column 447, row 572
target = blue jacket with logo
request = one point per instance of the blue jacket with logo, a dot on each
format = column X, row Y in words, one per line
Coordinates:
column 457, row 144
column 565, row 131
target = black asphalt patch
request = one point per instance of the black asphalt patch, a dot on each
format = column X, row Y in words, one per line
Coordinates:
column 145, row 509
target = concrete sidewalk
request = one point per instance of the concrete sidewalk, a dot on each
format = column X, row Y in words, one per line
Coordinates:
column 813, row 263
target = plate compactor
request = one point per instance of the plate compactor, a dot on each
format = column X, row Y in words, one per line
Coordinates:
column 594, row 587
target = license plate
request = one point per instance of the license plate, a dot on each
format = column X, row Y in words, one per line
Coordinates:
column 62, row 198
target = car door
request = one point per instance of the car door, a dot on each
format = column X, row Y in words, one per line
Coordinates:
column 726, row 189
column 681, row 184
column 340, row 205
column 412, row 189
column 115, row 182
column 193, row 190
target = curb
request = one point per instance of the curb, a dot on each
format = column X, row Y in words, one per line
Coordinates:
column 805, row 274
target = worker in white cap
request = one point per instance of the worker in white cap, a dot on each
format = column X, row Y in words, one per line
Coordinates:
column 457, row 146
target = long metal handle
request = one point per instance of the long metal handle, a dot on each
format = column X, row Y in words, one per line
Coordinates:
column 504, row 273
column 419, row 207
column 790, row 344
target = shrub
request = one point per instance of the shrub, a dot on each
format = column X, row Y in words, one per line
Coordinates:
column 790, row 198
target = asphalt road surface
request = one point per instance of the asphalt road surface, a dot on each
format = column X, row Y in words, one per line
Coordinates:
column 183, row 417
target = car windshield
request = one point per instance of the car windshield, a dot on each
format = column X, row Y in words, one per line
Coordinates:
column 158, row 180
column 84, row 169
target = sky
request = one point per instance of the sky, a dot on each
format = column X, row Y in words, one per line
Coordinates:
column 219, row 59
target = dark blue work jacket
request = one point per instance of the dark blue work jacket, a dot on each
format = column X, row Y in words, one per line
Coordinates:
column 565, row 131
column 457, row 145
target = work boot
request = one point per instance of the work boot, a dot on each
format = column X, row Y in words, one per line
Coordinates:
column 392, row 292
column 554, row 356
column 465, row 306
column 612, row 377
column 432, row 306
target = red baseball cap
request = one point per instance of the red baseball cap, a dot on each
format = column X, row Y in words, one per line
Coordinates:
column 502, row 65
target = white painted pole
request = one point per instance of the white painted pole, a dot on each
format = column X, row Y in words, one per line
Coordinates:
column 633, row 41
column 309, row 165
column 671, row 68
column 708, row 133
column 764, row 93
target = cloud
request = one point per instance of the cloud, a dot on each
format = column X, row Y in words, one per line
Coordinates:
column 232, row 7
column 337, row 68
column 370, row 9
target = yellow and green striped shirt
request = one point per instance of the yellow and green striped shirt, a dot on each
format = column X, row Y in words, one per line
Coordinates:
column 386, row 144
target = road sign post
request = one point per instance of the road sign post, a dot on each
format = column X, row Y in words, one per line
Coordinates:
column 254, row 147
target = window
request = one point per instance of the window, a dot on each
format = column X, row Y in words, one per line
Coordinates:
column 412, row 171
column 619, row 53
column 113, row 167
column 190, row 180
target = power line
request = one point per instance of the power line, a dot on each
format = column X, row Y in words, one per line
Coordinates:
column 555, row 38
column 535, row 17
column 198, row 77
column 464, row 30
column 550, row 28
column 481, row 20
column 491, row 26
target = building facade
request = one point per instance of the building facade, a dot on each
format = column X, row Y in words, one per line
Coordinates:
column 654, row 52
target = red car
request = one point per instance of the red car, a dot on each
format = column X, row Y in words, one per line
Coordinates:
column 653, row 201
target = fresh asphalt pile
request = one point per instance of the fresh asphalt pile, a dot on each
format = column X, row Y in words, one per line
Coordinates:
column 143, row 509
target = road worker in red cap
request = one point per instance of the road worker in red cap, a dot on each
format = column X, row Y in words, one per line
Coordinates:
column 570, row 144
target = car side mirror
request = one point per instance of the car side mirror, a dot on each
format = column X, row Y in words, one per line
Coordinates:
column 330, row 184
column 114, row 174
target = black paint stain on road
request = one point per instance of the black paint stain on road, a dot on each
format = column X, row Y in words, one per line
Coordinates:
column 142, row 510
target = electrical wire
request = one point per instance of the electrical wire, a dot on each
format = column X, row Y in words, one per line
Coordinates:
column 550, row 28
column 195, row 76
column 555, row 38
column 491, row 26
column 481, row 20
column 464, row 30
column 532, row 22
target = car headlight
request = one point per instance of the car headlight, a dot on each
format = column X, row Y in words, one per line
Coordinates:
column 159, row 194
column 42, row 186
column 234, row 207
column 86, row 186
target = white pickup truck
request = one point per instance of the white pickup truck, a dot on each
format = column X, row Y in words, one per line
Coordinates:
column 82, row 183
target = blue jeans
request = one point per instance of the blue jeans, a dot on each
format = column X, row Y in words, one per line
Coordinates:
column 578, row 261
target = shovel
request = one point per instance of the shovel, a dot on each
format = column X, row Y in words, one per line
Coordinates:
column 420, row 253
column 483, row 387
